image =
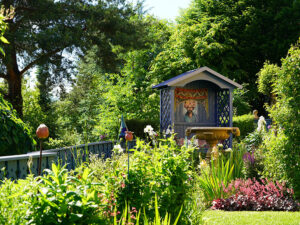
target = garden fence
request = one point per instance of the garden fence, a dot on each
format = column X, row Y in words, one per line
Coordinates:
column 19, row 166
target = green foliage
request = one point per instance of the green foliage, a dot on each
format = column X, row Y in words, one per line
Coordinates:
column 282, row 145
column 128, row 217
column 240, row 104
column 14, row 197
column 253, row 140
column 227, row 36
column 164, row 170
column 4, row 26
column 225, row 166
column 274, row 149
column 98, row 99
column 15, row 137
column 266, row 78
column 72, row 27
column 213, row 179
column 245, row 123
column 65, row 199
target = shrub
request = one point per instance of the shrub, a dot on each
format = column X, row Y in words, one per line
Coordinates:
column 245, row 123
column 224, row 168
column 253, row 165
column 285, row 115
column 14, row 135
column 65, row 199
column 14, row 197
column 163, row 169
column 254, row 196
column 253, row 140
column 240, row 103
column 277, row 160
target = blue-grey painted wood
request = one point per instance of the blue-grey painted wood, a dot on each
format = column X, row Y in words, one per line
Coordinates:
column 16, row 166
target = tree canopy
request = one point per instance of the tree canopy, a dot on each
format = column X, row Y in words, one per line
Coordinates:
column 233, row 37
column 49, row 31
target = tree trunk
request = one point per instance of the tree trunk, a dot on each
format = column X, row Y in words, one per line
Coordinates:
column 15, row 90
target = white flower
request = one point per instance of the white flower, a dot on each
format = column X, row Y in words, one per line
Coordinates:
column 228, row 150
column 148, row 129
column 152, row 133
column 203, row 164
column 261, row 124
column 118, row 149
column 168, row 131
column 196, row 142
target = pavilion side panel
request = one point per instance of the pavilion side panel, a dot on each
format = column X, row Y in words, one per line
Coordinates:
column 165, row 109
column 224, row 112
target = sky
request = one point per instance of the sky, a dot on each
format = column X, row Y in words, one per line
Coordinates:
column 166, row 9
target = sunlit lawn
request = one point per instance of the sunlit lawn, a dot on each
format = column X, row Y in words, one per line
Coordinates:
column 251, row 218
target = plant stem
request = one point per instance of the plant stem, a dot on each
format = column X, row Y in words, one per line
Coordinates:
column 40, row 161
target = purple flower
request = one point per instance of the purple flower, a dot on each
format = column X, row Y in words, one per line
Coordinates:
column 249, row 157
column 102, row 137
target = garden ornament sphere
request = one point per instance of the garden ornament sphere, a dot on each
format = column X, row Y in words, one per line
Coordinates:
column 128, row 135
column 42, row 131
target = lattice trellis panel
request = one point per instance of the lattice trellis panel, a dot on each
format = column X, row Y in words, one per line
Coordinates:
column 165, row 104
column 223, row 112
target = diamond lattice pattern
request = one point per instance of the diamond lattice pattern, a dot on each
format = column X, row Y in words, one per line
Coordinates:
column 223, row 112
column 165, row 117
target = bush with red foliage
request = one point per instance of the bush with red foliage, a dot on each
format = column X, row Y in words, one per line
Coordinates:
column 252, row 195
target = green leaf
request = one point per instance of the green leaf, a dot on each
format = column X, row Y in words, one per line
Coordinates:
column 4, row 40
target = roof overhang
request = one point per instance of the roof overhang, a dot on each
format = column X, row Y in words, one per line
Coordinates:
column 203, row 73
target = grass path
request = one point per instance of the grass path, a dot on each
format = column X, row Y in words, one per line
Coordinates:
column 251, row 218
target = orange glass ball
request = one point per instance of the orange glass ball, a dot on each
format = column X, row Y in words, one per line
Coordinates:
column 128, row 135
column 42, row 131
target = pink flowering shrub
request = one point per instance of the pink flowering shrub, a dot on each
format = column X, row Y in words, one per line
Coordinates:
column 253, row 195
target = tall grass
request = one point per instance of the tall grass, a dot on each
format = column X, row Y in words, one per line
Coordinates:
column 128, row 218
column 223, row 169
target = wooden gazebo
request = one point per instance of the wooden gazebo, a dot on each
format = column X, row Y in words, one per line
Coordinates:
column 197, row 98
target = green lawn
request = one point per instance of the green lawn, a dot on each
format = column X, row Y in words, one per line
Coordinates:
column 256, row 218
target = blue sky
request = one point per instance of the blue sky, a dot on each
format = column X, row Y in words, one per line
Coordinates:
column 166, row 9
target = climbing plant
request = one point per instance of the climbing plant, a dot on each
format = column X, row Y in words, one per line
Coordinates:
column 14, row 135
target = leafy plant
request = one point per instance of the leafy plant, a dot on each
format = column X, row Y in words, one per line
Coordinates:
column 282, row 145
column 214, row 178
column 245, row 123
column 133, row 217
column 253, row 195
column 15, row 137
column 14, row 196
column 65, row 199
column 253, row 140
column 163, row 169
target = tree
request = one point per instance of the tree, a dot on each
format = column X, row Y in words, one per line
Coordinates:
column 4, row 15
column 98, row 99
column 233, row 37
column 44, row 31
column 281, row 148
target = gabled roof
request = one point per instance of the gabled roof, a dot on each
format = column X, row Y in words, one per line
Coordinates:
column 202, row 73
